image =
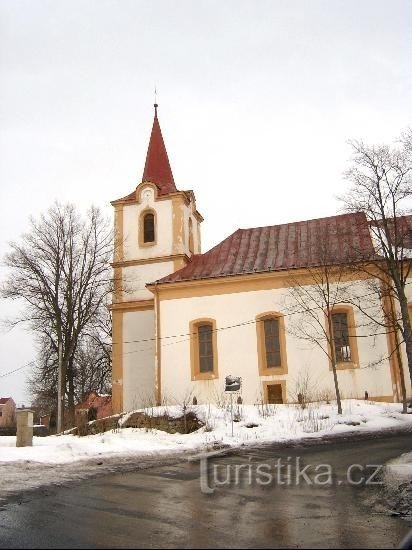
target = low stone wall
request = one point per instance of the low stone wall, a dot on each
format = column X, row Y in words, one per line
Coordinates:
column 95, row 426
column 8, row 431
column 184, row 424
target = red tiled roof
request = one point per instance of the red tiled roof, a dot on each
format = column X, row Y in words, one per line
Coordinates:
column 103, row 404
column 401, row 233
column 281, row 247
column 3, row 400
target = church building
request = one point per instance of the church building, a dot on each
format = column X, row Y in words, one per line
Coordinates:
column 183, row 320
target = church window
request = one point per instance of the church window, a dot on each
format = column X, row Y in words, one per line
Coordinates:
column 148, row 228
column 271, row 342
column 344, row 337
column 203, row 349
column 341, row 336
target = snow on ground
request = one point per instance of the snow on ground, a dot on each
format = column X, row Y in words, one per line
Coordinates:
column 256, row 424
column 398, row 484
column 400, row 469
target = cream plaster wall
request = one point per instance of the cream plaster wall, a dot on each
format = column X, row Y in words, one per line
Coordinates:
column 136, row 277
column 170, row 214
column 171, row 238
column 138, row 359
column 164, row 230
column 188, row 213
column 237, row 349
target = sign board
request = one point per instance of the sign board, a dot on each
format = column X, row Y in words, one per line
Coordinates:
column 233, row 383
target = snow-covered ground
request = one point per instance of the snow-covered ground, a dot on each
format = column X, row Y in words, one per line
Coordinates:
column 400, row 469
column 30, row 467
column 398, row 484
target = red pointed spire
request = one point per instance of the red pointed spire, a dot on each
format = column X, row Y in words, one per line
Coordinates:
column 157, row 168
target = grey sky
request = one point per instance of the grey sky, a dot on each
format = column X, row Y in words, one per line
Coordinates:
column 257, row 101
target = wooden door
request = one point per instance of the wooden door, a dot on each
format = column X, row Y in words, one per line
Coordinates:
column 275, row 394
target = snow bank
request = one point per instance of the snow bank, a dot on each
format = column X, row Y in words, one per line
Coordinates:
column 397, row 478
column 255, row 424
column 400, row 468
column 56, row 460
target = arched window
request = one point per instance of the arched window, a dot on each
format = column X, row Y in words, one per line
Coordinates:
column 191, row 245
column 340, row 328
column 203, row 349
column 344, row 337
column 149, row 228
column 271, row 342
column 205, row 336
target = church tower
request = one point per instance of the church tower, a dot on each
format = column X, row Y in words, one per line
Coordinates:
column 157, row 230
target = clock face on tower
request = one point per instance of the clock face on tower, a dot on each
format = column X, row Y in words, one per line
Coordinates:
column 147, row 194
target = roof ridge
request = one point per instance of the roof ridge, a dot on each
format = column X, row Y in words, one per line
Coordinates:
column 345, row 214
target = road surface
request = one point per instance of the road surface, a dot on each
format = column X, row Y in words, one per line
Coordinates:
column 164, row 506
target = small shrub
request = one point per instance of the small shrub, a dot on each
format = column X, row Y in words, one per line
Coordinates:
column 251, row 425
column 237, row 417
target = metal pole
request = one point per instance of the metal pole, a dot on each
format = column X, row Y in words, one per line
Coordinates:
column 231, row 410
column 59, row 390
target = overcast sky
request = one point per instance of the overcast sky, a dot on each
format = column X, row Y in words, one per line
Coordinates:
column 257, row 100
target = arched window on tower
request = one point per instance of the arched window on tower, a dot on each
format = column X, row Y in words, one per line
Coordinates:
column 191, row 245
column 149, row 228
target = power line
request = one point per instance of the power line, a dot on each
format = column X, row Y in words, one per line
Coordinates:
column 244, row 323
column 187, row 335
column 18, row 368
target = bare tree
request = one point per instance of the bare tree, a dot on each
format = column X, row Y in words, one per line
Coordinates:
column 93, row 359
column 61, row 271
column 313, row 297
column 376, row 303
column 91, row 366
column 381, row 187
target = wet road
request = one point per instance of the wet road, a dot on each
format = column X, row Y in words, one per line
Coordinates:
column 164, row 506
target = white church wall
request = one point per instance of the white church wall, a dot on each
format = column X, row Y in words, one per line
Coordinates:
column 138, row 358
column 237, row 350
column 188, row 214
column 185, row 211
column 136, row 277
column 164, row 231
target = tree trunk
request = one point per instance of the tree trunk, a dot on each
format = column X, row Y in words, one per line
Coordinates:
column 60, row 390
column 401, row 373
column 399, row 358
column 406, row 325
column 70, row 400
column 333, row 362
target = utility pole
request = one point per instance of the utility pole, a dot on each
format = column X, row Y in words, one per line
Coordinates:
column 231, row 410
column 60, row 396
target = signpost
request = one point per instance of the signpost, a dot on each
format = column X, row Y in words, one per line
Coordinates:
column 232, row 386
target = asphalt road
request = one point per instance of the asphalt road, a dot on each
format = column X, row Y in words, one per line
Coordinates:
column 164, row 506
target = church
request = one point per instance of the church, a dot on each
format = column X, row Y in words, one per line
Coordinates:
column 183, row 320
